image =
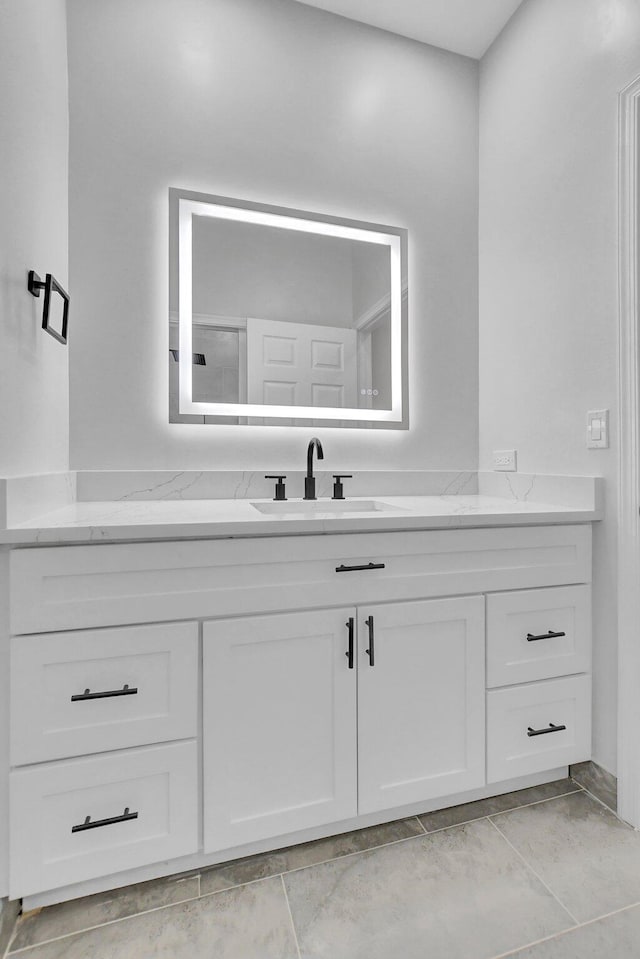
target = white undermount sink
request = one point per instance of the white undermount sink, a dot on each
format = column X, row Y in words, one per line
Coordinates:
column 307, row 507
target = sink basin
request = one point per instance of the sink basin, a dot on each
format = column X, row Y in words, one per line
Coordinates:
column 324, row 507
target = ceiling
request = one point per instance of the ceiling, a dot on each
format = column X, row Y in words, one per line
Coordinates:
column 463, row 26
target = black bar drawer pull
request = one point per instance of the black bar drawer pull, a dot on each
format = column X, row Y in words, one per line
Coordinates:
column 349, row 654
column 550, row 635
column 97, row 823
column 552, row 728
column 353, row 569
column 370, row 651
column 107, row 694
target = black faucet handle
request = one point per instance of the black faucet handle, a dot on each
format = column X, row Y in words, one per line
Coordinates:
column 338, row 490
column 280, row 490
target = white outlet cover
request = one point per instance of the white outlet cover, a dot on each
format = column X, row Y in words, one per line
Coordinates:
column 505, row 460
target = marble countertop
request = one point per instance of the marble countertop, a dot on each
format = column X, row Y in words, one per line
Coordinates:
column 122, row 520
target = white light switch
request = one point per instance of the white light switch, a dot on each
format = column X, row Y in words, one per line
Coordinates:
column 597, row 429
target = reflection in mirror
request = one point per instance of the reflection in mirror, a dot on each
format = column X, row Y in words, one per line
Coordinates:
column 287, row 319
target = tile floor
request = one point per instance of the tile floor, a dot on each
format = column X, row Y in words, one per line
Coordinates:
column 545, row 873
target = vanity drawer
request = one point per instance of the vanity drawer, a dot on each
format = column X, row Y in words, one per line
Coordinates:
column 142, row 806
column 514, row 713
column 538, row 634
column 75, row 587
column 89, row 691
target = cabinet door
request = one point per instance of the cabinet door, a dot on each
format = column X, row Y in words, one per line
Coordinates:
column 279, row 725
column 421, row 719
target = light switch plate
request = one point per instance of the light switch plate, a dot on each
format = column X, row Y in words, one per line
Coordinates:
column 505, row 460
column 597, row 429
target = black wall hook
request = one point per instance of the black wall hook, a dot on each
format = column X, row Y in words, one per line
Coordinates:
column 50, row 285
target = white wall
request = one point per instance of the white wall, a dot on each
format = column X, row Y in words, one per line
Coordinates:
column 548, row 248
column 34, row 430
column 34, row 216
column 277, row 102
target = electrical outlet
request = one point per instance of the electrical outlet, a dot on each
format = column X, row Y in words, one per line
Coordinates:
column 505, row 460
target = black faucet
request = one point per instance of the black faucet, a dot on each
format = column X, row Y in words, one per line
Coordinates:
column 309, row 481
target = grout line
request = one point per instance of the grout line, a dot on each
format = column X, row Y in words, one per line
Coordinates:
column 12, row 934
column 109, row 922
column 322, row 862
column 393, row 842
column 606, row 806
column 7, row 948
column 422, row 825
column 293, row 925
column 601, row 802
column 587, row 787
column 575, row 921
column 536, row 942
column 357, row 852
column 144, row 912
column 536, row 802
column 565, row 932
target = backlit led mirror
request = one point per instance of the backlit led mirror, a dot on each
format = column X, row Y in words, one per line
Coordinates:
column 279, row 317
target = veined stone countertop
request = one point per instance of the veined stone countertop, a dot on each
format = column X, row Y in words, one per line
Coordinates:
column 148, row 519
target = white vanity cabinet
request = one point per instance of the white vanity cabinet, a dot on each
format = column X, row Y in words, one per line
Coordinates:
column 252, row 725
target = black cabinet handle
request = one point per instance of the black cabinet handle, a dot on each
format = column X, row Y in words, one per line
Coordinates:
column 552, row 728
column 97, row 823
column 349, row 654
column 550, row 635
column 352, row 569
column 370, row 651
column 107, row 694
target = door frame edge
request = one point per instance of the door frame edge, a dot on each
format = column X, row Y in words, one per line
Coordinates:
column 628, row 455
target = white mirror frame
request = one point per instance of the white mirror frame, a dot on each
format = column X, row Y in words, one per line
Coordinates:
column 187, row 209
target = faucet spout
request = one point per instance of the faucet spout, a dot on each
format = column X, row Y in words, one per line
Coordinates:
column 310, row 483
column 313, row 443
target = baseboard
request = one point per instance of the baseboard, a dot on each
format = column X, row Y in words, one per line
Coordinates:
column 596, row 780
column 9, row 911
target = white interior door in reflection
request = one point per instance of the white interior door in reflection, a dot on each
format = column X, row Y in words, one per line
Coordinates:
column 297, row 364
